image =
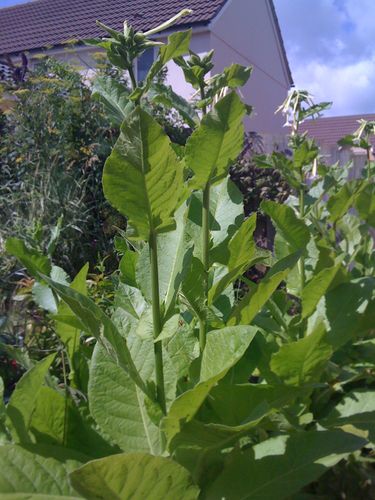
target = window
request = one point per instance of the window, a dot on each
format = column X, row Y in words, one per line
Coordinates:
column 144, row 63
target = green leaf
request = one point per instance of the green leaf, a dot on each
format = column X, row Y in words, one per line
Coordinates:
column 223, row 350
column 316, row 288
column 128, row 265
column 176, row 248
column 305, row 154
column 22, row 402
column 217, row 142
column 192, row 288
column 303, row 361
column 164, row 94
column 292, row 229
column 37, row 496
column 281, row 466
column 43, row 295
column 252, row 303
column 118, row 406
column 347, row 311
column 56, row 420
column 226, row 208
column 354, row 413
column 175, row 251
column 177, row 45
column 115, row 98
column 37, row 470
column 182, row 349
column 339, row 203
column 143, row 177
column 237, row 255
column 237, row 75
column 97, row 323
column 134, row 475
column 238, row 404
column 365, row 204
column 34, row 261
column 67, row 331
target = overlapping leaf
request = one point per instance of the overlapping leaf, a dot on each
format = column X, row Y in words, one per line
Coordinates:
column 216, row 142
column 142, row 177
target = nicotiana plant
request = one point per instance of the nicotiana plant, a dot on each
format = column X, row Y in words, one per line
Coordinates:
column 190, row 392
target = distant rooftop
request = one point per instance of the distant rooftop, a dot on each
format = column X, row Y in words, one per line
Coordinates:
column 330, row 130
column 42, row 23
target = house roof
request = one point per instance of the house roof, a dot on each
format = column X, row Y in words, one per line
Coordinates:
column 42, row 23
column 330, row 130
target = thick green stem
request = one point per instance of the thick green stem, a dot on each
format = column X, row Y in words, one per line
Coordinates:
column 302, row 259
column 205, row 259
column 132, row 78
column 157, row 324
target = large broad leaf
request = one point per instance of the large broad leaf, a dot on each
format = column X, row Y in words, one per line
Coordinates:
column 177, row 45
column 365, row 204
column 143, row 177
column 341, row 202
column 236, row 255
column 37, row 470
column 164, row 94
column 217, row 142
column 22, row 402
column 281, row 466
column 37, row 496
column 174, row 256
column 223, row 350
column 70, row 334
column 227, row 415
column 226, row 209
column 347, row 311
column 355, row 413
column 253, row 302
column 193, row 288
column 134, row 475
column 97, row 323
column 237, row 404
column 305, row 154
column 43, row 295
column 302, row 362
column 34, row 261
column 114, row 97
column 316, row 288
column 57, row 421
column 291, row 229
column 3, row 430
column 226, row 214
column 118, row 406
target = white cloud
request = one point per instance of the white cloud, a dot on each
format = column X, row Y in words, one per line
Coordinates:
column 350, row 87
column 331, row 52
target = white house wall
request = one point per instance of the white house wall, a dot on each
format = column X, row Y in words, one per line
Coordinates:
column 200, row 44
column 244, row 32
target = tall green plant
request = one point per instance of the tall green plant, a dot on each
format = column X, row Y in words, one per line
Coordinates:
column 193, row 391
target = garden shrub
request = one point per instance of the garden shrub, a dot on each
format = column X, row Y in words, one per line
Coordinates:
column 191, row 392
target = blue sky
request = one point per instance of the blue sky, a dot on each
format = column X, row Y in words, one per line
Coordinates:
column 330, row 49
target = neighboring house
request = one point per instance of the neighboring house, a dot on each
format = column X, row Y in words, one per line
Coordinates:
column 242, row 31
column 328, row 131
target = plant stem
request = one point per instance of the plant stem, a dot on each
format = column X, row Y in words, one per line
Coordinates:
column 205, row 242
column 205, row 258
column 132, row 77
column 156, row 316
column 302, row 259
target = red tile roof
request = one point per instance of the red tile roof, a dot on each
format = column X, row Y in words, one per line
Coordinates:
column 329, row 130
column 43, row 23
